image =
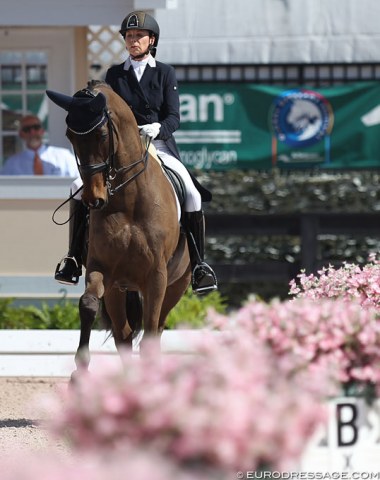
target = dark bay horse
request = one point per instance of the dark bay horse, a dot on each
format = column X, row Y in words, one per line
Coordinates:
column 135, row 242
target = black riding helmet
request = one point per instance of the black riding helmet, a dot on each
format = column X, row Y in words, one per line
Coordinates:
column 141, row 21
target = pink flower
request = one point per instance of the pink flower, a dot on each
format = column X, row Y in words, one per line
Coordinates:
column 308, row 328
column 99, row 465
column 228, row 407
column 350, row 282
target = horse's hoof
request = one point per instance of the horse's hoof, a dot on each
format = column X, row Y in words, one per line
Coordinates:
column 76, row 376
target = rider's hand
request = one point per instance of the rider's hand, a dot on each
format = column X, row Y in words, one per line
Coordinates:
column 151, row 130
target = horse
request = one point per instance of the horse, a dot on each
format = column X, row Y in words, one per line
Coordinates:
column 137, row 265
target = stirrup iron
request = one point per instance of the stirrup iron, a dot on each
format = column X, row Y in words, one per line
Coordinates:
column 74, row 274
column 206, row 276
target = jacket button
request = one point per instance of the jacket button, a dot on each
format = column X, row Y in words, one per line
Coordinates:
column 147, row 106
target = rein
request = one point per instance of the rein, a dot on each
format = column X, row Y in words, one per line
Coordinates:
column 72, row 195
column 143, row 159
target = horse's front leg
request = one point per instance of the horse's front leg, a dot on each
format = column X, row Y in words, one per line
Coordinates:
column 88, row 308
column 153, row 296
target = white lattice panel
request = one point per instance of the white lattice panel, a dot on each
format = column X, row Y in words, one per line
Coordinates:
column 105, row 48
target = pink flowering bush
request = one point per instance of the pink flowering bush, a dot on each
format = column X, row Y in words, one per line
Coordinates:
column 350, row 282
column 130, row 464
column 231, row 406
column 334, row 333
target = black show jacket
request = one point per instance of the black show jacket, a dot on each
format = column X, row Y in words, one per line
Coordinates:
column 154, row 99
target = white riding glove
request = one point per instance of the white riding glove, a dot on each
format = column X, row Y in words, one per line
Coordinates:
column 151, row 130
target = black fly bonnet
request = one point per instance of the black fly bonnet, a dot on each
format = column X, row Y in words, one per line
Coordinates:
column 87, row 110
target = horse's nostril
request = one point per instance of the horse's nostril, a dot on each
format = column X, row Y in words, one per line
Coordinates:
column 95, row 203
column 99, row 204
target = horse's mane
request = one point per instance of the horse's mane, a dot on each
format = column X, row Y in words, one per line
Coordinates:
column 92, row 84
column 101, row 84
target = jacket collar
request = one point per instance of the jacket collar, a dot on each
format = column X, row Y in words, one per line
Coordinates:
column 151, row 61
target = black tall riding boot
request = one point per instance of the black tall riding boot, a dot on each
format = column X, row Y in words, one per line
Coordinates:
column 71, row 270
column 203, row 277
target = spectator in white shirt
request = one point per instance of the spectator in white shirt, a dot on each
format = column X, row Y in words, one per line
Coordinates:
column 38, row 158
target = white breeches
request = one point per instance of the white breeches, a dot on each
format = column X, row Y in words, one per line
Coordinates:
column 193, row 202
column 75, row 186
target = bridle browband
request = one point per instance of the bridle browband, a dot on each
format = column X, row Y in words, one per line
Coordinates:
column 111, row 171
column 99, row 124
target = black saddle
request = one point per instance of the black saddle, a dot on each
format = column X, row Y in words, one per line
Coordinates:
column 177, row 183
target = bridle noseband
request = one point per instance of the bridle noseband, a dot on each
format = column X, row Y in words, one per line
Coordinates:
column 109, row 167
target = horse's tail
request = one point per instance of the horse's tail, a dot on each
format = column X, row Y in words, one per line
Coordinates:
column 134, row 312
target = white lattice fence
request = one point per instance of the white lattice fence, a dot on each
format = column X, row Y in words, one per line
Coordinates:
column 105, row 48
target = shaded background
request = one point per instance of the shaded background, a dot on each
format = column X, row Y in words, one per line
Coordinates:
column 288, row 192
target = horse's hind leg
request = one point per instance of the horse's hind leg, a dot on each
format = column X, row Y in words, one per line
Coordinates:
column 115, row 302
column 88, row 308
column 153, row 295
column 173, row 295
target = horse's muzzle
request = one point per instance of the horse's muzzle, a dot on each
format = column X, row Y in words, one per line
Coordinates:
column 98, row 204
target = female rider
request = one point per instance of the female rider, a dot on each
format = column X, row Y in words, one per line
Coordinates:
column 150, row 89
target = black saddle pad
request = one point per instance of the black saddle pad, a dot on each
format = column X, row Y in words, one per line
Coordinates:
column 177, row 183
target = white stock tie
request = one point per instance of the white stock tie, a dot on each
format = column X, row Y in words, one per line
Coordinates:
column 139, row 68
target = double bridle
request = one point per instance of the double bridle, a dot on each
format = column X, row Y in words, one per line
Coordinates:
column 108, row 167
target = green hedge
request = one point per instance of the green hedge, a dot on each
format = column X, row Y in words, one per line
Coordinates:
column 64, row 315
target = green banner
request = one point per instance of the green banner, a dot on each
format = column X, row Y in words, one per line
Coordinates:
column 225, row 126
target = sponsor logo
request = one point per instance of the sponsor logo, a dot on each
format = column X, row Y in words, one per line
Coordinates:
column 301, row 118
column 204, row 109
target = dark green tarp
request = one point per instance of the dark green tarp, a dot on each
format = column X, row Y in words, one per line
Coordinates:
column 228, row 125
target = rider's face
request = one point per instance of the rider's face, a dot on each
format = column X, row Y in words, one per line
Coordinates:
column 137, row 41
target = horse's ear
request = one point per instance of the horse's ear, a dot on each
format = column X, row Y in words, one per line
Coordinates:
column 63, row 101
column 99, row 103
